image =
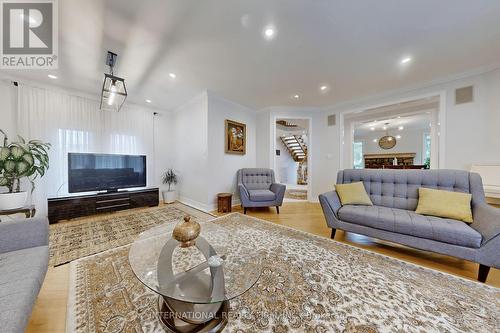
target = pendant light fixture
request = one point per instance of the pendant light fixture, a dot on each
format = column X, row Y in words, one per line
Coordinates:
column 387, row 141
column 114, row 92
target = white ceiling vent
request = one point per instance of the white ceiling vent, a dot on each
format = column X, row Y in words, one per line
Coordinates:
column 332, row 120
column 464, row 95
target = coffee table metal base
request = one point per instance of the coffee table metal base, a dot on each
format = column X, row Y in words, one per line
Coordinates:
column 183, row 317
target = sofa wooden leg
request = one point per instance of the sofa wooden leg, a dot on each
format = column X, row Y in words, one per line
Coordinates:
column 278, row 209
column 244, row 210
column 483, row 273
column 333, row 233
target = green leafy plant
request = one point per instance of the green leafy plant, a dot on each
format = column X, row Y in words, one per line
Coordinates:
column 427, row 163
column 22, row 159
column 169, row 178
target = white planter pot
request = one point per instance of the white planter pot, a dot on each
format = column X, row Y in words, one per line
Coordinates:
column 169, row 196
column 10, row 201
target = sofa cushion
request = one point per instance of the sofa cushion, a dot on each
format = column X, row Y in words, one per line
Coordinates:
column 452, row 205
column 21, row 276
column 353, row 194
column 409, row 223
column 261, row 195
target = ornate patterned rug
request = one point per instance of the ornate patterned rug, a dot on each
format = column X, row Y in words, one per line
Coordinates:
column 309, row 284
column 82, row 237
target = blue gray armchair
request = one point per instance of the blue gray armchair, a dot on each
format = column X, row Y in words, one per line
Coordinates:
column 258, row 188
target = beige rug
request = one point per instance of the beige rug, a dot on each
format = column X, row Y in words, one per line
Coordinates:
column 296, row 194
column 79, row 238
column 308, row 284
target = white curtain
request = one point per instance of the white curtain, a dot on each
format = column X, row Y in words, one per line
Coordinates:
column 76, row 124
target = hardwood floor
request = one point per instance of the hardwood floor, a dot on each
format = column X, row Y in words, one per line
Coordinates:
column 49, row 314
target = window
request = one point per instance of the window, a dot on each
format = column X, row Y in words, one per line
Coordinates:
column 357, row 149
column 124, row 144
column 426, row 156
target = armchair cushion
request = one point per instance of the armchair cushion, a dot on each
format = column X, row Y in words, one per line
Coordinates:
column 262, row 195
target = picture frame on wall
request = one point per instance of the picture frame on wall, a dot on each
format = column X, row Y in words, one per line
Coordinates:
column 236, row 137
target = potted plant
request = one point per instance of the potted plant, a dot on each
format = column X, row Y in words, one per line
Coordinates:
column 19, row 160
column 169, row 178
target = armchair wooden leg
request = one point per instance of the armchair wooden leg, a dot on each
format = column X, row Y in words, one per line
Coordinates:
column 333, row 233
column 278, row 209
column 483, row 273
column 244, row 210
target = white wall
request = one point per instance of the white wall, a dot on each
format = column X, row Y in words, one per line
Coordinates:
column 323, row 145
column 190, row 150
column 412, row 141
column 470, row 130
column 164, row 144
column 222, row 166
column 286, row 167
column 199, row 156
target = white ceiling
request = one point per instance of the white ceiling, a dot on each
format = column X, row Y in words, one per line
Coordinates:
column 353, row 47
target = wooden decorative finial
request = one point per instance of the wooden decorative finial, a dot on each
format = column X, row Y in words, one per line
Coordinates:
column 186, row 232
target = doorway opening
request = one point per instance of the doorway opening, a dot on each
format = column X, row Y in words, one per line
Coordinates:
column 404, row 135
column 291, row 158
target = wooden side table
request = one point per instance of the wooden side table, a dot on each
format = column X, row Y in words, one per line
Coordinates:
column 28, row 211
column 224, row 202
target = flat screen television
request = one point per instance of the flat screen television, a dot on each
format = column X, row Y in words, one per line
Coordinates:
column 105, row 172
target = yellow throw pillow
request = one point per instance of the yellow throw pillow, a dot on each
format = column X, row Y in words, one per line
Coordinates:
column 353, row 194
column 453, row 205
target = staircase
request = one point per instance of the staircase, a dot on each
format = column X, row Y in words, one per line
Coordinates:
column 296, row 146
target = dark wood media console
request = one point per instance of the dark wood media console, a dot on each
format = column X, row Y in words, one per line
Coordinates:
column 77, row 206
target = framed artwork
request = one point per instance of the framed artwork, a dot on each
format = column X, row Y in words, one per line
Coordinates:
column 236, row 138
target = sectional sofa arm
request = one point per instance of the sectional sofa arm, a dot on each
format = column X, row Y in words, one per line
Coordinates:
column 486, row 221
column 279, row 190
column 330, row 203
column 488, row 252
column 24, row 233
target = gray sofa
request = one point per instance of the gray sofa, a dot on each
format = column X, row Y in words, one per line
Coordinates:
column 394, row 194
column 258, row 188
column 24, row 256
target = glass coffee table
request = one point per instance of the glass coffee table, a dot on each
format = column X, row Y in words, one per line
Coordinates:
column 194, row 284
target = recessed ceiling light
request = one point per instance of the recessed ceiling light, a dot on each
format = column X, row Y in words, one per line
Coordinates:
column 269, row 32
column 401, row 128
column 399, row 117
column 372, row 128
column 148, row 101
column 323, row 88
column 374, row 140
column 296, row 96
column 398, row 137
column 406, row 60
column 172, row 75
column 52, row 76
column 384, row 128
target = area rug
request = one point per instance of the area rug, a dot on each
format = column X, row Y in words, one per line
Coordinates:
column 308, row 284
column 296, row 194
column 79, row 238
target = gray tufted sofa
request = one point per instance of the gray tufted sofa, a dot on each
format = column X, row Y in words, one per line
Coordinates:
column 24, row 256
column 258, row 188
column 394, row 194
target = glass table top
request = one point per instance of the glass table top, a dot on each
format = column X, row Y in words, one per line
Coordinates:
column 217, row 269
